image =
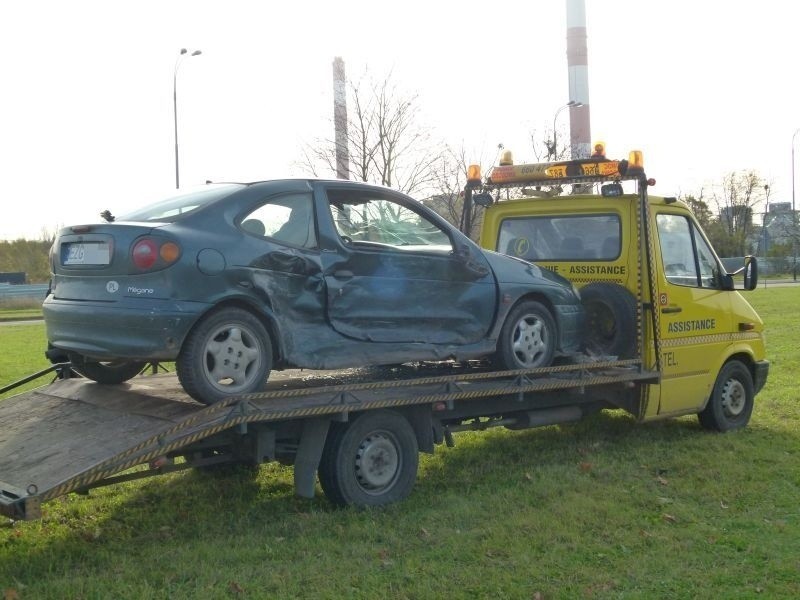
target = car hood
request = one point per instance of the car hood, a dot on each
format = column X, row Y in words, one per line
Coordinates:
column 509, row 269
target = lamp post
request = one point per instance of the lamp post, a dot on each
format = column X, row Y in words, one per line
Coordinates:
column 794, row 215
column 181, row 54
column 570, row 104
column 764, row 228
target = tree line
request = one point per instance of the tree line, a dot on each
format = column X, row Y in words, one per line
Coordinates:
column 26, row 256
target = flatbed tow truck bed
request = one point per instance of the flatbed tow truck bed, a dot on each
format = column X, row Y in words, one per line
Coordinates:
column 75, row 434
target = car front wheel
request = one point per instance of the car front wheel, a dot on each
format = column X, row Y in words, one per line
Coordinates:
column 528, row 338
column 227, row 354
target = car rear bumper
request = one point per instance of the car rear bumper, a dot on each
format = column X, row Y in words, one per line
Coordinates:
column 104, row 331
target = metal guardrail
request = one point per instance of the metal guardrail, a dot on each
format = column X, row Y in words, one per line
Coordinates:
column 34, row 291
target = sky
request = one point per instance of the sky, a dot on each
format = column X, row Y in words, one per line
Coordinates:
column 86, row 90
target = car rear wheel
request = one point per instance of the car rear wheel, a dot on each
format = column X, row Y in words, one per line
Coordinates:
column 108, row 372
column 528, row 339
column 227, row 354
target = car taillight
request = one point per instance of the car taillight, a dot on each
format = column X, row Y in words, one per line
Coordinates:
column 169, row 252
column 152, row 253
column 145, row 254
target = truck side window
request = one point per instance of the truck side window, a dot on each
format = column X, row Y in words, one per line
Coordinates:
column 688, row 259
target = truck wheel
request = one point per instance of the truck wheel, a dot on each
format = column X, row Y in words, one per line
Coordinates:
column 108, row 372
column 731, row 402
column 370, row 461
column 227, row 354
column 528, row 338
column 610, row 320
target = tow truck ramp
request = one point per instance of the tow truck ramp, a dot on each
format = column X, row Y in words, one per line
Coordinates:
column 75, row 434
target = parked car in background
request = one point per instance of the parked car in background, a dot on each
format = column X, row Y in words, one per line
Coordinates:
column 234, row 280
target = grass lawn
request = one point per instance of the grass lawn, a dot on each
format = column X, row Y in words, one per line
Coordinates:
column 603, row 508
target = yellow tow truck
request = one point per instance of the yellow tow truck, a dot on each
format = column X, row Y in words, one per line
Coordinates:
column 652, row 285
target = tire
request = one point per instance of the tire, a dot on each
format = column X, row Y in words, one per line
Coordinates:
column 371, row 461
column 109, row 372
column 610, row 320
column 528, row 338
column 228, row 353
column 731, row 401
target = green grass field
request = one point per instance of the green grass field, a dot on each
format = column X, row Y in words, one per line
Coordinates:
column 605, row 508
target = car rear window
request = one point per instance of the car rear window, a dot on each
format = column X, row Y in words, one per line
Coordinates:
column 182, row 203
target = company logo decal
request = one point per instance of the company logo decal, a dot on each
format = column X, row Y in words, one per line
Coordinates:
column 140, row 291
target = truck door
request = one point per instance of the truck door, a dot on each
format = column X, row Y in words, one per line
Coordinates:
column 694, row 311
column 394, row 273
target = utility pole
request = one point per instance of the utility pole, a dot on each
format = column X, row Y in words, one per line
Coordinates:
column 340, row 119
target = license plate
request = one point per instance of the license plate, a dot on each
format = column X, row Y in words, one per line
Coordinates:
column 86, row 253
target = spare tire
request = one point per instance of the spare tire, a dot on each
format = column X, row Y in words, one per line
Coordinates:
column 610, row 320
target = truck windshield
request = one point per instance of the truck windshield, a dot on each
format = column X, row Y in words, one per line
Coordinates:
column 173, row 207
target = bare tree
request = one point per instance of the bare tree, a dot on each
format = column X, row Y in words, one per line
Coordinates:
column 448, row 199
column 387, row 142
column 736, row 197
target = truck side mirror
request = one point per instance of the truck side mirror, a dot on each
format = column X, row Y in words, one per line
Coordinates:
column 750, row 272
column 483, row 199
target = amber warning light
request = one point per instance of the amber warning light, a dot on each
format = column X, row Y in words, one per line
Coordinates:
column 597, row 166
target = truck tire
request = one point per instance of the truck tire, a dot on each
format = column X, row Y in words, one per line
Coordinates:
column 610, row 320
column 228, row 353
column 528, row 338
column 731, row 401
column 106, row 372
column 370, row 461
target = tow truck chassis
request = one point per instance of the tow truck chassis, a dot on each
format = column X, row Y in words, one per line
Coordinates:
column 74, row 434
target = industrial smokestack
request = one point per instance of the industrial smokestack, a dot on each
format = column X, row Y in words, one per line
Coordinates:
column 578, row 65
column 340, row 119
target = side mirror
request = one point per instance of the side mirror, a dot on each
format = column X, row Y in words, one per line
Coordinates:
column 483, row 199
column 463, row 255
column 749, row 272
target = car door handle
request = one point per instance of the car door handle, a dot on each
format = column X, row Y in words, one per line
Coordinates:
column 671, row 310
column 343, row 274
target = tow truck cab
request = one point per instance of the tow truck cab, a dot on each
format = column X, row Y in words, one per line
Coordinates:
column 650, row 281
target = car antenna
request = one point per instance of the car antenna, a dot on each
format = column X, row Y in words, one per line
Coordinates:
column 106, row 214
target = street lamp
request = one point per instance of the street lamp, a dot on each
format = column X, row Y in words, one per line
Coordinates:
column 764, row 228
column 570, row 104
column 794, row 215
column 181, row 54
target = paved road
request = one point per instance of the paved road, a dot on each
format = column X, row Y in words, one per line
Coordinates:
column 21, row 322
column 768, row 283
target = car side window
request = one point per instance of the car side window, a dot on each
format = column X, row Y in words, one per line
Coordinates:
column 379, row 222
column 287, row 219
column 687, row 258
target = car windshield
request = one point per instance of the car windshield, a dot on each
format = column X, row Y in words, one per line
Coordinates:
column 171, row 208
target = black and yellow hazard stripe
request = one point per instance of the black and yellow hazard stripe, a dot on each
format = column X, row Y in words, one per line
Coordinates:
column 249, row 409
